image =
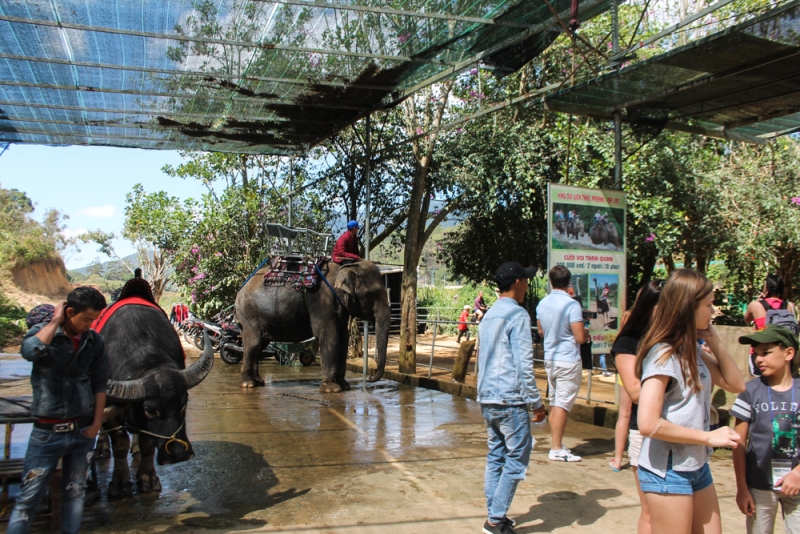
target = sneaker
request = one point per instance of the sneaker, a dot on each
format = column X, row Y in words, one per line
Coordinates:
column 504, row 527
column 564, row 455
column 606, row 373
column 510, row 522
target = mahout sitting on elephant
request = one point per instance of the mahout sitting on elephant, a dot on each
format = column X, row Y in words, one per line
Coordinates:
column 575, row 228
column 282, row 313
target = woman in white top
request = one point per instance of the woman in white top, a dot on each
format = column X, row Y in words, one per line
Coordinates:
column 674, row 407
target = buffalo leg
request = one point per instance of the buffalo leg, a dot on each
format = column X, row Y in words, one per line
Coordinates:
column 146, row 478
column 253, row 345
column 103, row 447
column 120, row 485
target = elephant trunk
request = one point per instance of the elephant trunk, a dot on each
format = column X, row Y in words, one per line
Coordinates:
column 382, row 320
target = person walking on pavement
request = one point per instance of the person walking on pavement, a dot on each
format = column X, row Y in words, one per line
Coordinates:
column 345, row 251
column 463, row 327
column 770, row 306
column 560, row 324
column 507, row 391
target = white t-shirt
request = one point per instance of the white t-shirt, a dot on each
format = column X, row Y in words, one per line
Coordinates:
column 682, row 407
column 557, row 311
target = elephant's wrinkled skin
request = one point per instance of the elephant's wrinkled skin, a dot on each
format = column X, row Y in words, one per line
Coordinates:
column 280, row 313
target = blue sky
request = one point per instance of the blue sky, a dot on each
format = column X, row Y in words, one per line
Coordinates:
column 89, row 184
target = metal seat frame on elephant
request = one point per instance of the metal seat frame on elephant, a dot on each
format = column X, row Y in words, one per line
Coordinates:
column 298, row 255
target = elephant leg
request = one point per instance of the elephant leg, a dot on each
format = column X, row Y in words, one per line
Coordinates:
column 329, row 344
column 249, row 377
column 146, row 478
column 120, row 484
column 341, row 358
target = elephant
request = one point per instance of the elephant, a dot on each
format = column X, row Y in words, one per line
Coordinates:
column 280, row 313
column 575, row 228
column 560, row 226
column 604, row 233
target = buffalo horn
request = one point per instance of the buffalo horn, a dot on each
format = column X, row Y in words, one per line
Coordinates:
column 128, row 390
column 200, row 369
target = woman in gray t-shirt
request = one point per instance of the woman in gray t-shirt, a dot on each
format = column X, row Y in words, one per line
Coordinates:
column 674, row 407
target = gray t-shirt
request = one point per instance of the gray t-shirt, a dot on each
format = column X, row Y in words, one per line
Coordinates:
column 682, row 407
column 753, row 406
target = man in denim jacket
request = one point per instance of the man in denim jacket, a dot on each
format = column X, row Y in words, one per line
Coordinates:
column 507, row 390
column 69, row 379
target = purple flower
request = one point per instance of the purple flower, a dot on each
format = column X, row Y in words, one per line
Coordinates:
column 650, row 238
column 402, row 39
column 218, row 254
column 796, row 201
column 473, row 71
column 419, row 131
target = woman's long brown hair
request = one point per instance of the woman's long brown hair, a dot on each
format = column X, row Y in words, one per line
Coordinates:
column 674, row 323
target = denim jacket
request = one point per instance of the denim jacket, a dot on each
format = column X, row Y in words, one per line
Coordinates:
column 505, row 363
column 64, row 383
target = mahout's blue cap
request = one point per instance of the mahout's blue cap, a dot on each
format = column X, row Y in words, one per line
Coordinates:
column 352, row 224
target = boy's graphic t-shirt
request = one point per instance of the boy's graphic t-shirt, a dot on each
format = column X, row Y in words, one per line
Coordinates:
column 773, row 419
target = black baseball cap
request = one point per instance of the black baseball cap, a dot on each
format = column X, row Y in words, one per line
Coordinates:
column 511, row 271
column 771, row 334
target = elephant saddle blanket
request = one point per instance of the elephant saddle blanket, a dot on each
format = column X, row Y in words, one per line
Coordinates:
column 296, row 271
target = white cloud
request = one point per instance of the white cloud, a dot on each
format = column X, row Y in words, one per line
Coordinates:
column 100, row 212
column 73, row 232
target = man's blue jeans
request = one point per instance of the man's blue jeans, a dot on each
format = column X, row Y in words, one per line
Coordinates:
column 510, row 444
column 45, row 448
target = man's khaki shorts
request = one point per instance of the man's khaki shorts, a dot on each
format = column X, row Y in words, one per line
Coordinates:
column 564, row 384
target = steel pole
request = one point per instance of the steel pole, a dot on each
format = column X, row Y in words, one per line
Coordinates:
column 368, row 139
column 617, row 118
column 291, row 169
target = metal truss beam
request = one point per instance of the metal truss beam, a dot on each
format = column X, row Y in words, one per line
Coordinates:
column 400, row 12
column 199, row 74
column 229, row 42
column 169, row 114
column 461, row 65
column 134, row 92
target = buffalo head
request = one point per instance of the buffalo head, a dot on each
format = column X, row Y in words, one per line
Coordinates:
column 157, row 403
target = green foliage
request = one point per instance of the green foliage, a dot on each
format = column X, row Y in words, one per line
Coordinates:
column 23, row 240
column 12, row 323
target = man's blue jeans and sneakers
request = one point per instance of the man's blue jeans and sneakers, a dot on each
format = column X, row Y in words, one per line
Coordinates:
column 45, row 448
column 507, row 393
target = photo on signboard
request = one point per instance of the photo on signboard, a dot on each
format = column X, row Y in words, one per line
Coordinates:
column 604, row 300
column 579, row 289
column 579, row 227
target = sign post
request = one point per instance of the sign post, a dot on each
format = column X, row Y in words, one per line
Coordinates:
column 586, row 234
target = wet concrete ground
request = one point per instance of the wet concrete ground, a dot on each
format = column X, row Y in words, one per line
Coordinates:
column 385, row 459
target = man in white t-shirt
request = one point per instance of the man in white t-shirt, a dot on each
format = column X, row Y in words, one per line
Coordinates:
column 561, row 327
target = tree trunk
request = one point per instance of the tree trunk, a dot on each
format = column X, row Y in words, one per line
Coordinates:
column 702, row 263
column 461, row 364
column 669, row 263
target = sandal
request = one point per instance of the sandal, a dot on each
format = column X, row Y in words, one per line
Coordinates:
column 615, row 469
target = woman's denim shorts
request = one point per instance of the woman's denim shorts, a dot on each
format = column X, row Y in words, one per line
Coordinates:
column 676, row 482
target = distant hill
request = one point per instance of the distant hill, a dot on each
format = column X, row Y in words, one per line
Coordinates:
column 106, row 267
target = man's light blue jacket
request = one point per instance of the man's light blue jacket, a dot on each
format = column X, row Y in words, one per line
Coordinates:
column 505, row 362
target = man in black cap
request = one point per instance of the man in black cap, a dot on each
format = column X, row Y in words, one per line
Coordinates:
column 507, row 392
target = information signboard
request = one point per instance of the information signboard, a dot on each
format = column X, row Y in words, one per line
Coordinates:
column 586, row 234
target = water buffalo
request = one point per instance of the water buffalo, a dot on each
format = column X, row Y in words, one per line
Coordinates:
column 147, row 394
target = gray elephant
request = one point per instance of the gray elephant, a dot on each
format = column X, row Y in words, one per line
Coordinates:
column 280, row 313
column 575, row 228
column 604, row 233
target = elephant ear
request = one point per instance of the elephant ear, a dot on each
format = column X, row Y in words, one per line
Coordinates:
column 346, row 282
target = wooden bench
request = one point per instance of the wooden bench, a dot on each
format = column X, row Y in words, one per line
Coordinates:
column 11, row 469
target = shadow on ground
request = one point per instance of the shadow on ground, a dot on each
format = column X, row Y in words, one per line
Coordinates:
column 231, row 482
column 564, row 508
